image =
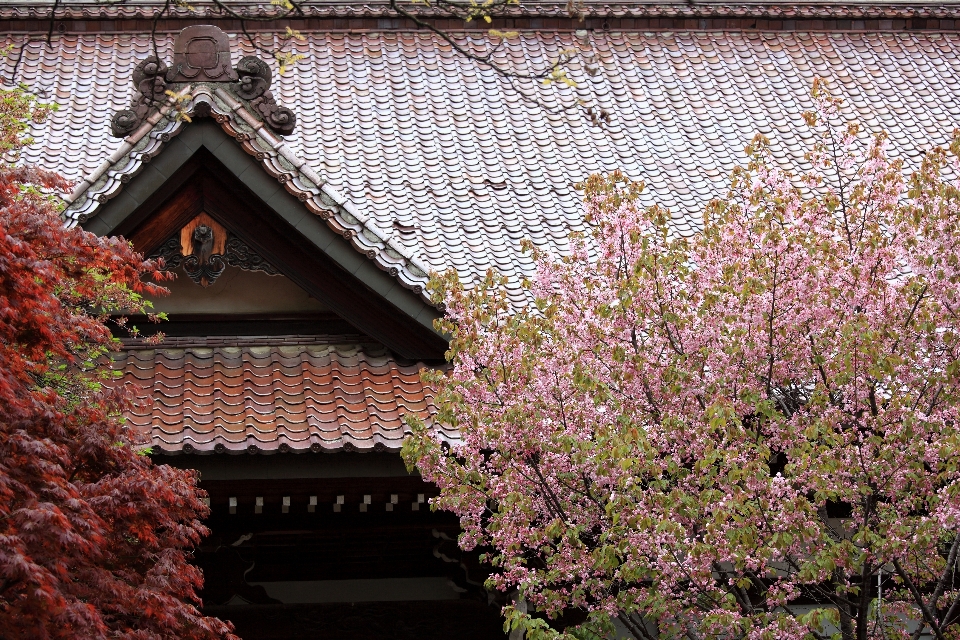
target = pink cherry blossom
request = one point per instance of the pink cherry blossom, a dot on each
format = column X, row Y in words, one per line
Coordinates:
column 749, row 433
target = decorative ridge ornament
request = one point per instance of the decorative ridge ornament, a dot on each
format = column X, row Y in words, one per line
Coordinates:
column 255, row 77
column 149, row 79
column 201, row 53
column 254, row 82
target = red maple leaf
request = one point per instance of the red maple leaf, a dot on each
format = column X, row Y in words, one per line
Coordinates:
column 95, row 538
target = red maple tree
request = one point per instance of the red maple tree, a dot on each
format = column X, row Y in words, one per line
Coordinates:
column 94, row 537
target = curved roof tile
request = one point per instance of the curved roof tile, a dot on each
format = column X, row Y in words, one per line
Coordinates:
column 318, row 397
column 426, row 162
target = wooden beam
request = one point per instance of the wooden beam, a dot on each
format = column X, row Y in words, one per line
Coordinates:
column 175, row 188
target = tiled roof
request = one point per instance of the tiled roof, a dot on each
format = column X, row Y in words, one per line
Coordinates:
column 456, row 170
column 144, row 9
column 252, row 399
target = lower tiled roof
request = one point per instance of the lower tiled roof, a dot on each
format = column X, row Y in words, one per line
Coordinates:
column 271, row 399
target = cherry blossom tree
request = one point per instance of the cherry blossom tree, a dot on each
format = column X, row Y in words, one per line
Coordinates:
column 94, row 537
column 748, row 433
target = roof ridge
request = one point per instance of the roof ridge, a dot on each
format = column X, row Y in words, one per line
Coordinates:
column 87, row 9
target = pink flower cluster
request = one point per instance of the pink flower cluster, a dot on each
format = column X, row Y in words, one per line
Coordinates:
column 751, row 433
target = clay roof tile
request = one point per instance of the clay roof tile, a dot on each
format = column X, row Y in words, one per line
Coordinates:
column 266, row 395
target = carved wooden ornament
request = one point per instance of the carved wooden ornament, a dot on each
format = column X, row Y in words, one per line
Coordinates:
column 201, row 53
column 202, row 242
column 204, row 248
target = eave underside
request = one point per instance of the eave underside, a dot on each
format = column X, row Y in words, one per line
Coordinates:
column 336, row 547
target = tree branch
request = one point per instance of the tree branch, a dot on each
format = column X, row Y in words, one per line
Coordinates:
column 927, row 615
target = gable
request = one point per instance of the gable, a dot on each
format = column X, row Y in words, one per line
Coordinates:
column 204, row 172
column 243, row 187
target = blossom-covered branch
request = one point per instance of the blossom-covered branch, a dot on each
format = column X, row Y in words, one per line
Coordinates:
column 747, row 433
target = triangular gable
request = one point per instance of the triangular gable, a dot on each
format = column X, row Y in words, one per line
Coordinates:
column 231, row 166
column 219, row 180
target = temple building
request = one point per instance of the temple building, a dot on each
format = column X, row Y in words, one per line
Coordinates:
column 304, row 213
